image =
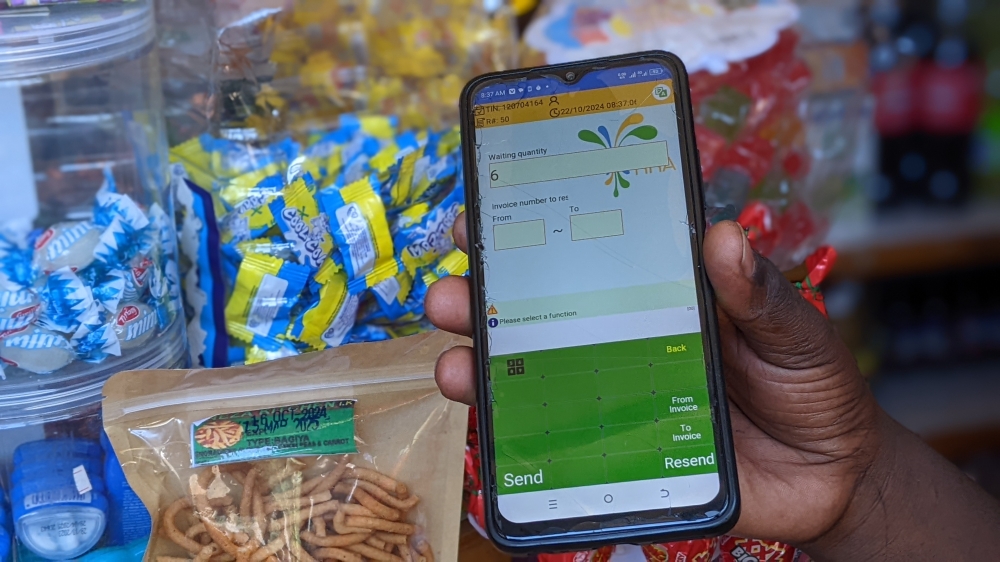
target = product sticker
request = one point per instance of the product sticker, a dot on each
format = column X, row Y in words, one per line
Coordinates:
column 266, row 304
column 359, row 237
column 81, row 480
column 336, row 334
column 321, row 428
column 60, row 495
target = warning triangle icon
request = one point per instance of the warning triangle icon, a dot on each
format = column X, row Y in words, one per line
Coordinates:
column 492, row 311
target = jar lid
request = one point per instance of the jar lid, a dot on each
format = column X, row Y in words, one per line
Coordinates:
column 28, row 399
column 56, row 38
column 48, row 449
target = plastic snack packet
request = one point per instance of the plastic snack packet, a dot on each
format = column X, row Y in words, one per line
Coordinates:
column 299, row 219
column 266, row 290
column 327, row 322
column 360, row 230
column 733, row 549
column 423, row 233
column 355, row 457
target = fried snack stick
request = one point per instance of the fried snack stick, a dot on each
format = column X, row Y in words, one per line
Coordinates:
column 373, row 553
column 205, row 554
column 424, row 548
column 170, row 527
column 385, row 497
column 268, row 551
column 319, row 526
column 337, row 554
column 388, row 484
column 171, row 559
column 341, row 527
column 246, row 502
column 380, row 525
column 325, row 482
column 304, row 515
column 376, row 542
column 404, row 552
column 392, row 538
column 307, row 501
column 335, row 540
column 195, row 530
column 365, row 499
column 355, row 509
column 220, row 537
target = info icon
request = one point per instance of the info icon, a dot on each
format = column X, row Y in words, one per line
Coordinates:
column 493, row 323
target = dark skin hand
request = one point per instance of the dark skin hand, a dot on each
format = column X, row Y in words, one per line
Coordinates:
column 821, row 466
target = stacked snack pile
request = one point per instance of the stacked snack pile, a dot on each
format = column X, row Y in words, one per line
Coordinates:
column 265, row 68
column 325, row 242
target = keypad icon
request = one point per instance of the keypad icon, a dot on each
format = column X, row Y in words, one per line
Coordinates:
column 515, row 367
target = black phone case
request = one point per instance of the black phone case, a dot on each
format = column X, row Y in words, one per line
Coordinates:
column 644, row 534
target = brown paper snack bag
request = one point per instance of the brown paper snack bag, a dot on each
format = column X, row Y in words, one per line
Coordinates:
column 350, row 454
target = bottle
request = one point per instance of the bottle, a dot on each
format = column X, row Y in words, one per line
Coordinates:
column 60, row 506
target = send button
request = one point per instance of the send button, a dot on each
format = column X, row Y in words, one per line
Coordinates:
column 511, row 480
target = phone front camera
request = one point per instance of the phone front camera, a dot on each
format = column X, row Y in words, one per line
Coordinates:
column 570, row 76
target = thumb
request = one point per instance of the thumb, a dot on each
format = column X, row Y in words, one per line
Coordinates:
column 781, row 327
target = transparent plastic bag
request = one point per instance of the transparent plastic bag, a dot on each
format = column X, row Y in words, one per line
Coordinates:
column 253, row 70
column 763, row 161
column 249, row 464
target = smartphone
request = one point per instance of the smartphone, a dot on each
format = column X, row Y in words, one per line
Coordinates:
column 602, row 412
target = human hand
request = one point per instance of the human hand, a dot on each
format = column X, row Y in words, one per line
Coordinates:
column 804, row 422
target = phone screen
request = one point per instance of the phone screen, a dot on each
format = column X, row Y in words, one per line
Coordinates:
column 597, row 374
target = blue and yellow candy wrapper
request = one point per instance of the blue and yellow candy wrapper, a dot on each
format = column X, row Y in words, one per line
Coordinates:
column 424, row 232
column 251, row 217
column 360, row 231
column 327, row 322
column 300, row 220
column 391, row 294
column 266, row 289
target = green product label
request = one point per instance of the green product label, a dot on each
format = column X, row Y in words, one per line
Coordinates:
column 321, row 428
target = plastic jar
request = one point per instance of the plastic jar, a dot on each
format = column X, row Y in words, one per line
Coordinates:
column 88, row 273
column 89, row 283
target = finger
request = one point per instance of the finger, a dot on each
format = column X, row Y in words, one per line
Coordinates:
column 461, row 232
column 456, row 375
column 447, row 305
column 777, row 323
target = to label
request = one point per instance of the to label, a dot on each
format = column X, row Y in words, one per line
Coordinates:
column 81, row 480
column 266, row 304
column 321, row 428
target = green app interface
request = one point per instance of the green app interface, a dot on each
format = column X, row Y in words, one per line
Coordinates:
column 598, row 384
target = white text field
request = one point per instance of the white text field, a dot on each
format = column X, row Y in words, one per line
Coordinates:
column 579, row 164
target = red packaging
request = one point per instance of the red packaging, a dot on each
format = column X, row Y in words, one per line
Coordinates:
column 602, row 555
column 733, row 549
column 684, row 551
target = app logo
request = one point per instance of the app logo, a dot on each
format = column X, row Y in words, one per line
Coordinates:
column 603, row 139
column 661, row 92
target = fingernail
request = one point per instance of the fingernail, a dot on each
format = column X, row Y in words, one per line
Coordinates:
column 749, row 260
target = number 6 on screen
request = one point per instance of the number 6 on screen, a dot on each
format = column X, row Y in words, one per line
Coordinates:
column 602, row 412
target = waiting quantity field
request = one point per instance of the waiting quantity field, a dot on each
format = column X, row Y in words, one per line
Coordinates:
column 578, row 164
column 589, row 226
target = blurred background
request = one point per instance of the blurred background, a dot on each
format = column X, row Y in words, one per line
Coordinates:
column 914, row 292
